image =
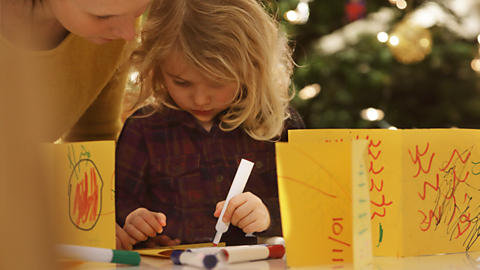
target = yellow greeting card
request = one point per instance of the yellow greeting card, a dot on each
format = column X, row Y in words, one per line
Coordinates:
column 324, row 202
column 82, row 192
column 423, row 187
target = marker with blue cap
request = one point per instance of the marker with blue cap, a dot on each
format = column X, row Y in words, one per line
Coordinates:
column 197, row 259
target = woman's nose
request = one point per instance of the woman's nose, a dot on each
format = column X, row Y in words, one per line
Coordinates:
column 125, row 29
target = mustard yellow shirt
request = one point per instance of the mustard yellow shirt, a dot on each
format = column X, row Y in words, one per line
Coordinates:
column 80, row 82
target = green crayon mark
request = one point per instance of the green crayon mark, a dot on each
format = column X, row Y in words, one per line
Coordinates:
column 381, row 235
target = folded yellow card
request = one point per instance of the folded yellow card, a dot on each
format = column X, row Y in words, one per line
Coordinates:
column 82, row 192
column 324, row 202
column 164, row 252
column 424, row 187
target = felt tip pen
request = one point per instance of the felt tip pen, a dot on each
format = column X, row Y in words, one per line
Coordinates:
column 197, row 259
column 95, row 254
column 235, row 254
column 237, row 187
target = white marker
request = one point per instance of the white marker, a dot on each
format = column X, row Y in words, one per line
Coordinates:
column 239, row 182
column 95, row 254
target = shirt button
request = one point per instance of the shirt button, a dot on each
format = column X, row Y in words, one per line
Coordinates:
column 259, row 164
column 177, row 169
column 211, row 141
column 219, row 178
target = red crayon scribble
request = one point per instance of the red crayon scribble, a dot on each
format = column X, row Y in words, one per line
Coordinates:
column 383, row 202
column 86, row 199
column 374, row 145
column 451, row 158
column 378, row 214
column 466, row 219
column 337, row 260
column 338, row 225
column 430, row 216
column 417, row 160
column 337, row 250
column 375, row 186
column 372, row 170
column 341, row 242
column 425, row 187
column 373, row 156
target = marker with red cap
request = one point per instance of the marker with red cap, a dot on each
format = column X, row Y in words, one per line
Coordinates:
column 251, row 253
column 235, row 254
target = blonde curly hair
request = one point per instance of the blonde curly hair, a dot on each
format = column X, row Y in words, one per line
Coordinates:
column 232, row 40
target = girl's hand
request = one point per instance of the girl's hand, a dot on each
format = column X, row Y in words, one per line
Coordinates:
column 245, row 211
column 123, row 240
column 142, row 223
column 162, row 241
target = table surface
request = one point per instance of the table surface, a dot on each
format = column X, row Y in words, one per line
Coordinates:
column 457, row 261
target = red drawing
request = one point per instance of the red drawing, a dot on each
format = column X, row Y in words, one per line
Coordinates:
column 425, row 187
column 375, row 186
column 451, row 158
column 383, row 202
column 418, row 160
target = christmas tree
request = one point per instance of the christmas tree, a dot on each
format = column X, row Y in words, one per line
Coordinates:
column 426, row 80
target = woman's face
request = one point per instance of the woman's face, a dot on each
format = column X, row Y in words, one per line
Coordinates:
column 99, row 21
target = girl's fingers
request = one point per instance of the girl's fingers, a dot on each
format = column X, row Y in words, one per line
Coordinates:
column 156, row 221
column 135, row 233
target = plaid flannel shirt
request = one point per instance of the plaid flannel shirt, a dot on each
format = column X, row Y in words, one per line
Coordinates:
column 168, row 163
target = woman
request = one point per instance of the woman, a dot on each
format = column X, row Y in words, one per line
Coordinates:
column 59, row 69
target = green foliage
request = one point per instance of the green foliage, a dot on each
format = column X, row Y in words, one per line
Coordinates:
column 440, row 91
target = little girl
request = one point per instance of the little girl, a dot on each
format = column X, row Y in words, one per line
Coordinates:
column 217, row 75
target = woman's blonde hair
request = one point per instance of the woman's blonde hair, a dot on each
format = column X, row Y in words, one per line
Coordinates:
column 234, row 40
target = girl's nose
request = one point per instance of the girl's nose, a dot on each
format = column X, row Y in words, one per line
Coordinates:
column 201, row 97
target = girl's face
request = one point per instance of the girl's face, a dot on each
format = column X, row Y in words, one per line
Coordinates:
column 99, row 21
column 192, row 92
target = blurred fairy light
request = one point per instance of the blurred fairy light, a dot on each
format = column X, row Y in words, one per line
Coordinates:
column 309, row 91
column 394, row 40
column 300, row 14
column 401, row 4
column 291, row 15
column 476, row 65
column 392, row 128
column 478, row 38
column 392, row 1
column 382, row 37
column 372, row 114
column 133, row 76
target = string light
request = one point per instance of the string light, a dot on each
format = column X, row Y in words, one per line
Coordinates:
column 401, row 4
column 300, row 14
column 394, row 40
column 309, row 91
column 382, row 37
column 372, row 114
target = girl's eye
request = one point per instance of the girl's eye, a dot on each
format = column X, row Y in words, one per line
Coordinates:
column 180, row 83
